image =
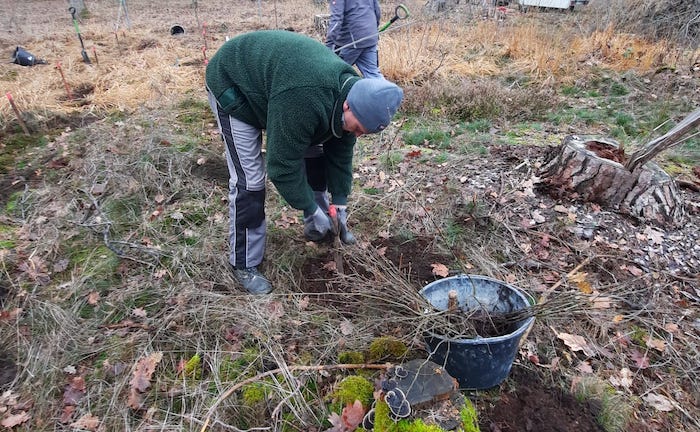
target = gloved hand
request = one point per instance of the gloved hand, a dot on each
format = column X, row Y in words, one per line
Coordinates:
column 317, row 225
column 345, row 235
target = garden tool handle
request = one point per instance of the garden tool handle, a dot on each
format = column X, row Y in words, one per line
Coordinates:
column 333, row 213
column 75, row 22
column 400, row 12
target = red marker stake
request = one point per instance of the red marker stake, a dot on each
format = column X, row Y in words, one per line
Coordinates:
column 65, row 83
column 17, row 113
column 204, row 34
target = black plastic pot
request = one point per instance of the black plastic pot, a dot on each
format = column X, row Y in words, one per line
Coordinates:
column 23, row 57
column 176, row 30
column 480, row 362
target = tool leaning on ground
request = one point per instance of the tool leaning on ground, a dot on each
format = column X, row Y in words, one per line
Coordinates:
column 338, row 257
column 400, row 13
column 84, row 53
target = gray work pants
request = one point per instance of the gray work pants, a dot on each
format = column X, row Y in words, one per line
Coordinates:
column 246, row 166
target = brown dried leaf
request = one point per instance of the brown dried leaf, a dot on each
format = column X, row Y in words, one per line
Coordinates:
column 60, row 265
column 580, row 279
column 10, row 314
column 640, row 360
column 440, row 269
column 657, row 344
column 661, row 403
column 352, row 415
column 93, row 298
column 141, row 379
column 36, row 269
column 74, row 391
column 337, row 422
column 87, row 422
column 275, row 310
column 15, row 420
column 346, row 327
column 576, row 343
column 67, row 414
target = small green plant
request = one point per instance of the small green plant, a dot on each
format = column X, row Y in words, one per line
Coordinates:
column 427, row 137
column 351, row 357
column 354, row 388
column 386, row 348
column 626, row 122
column 193, row 368
column 614, row 410
column 453, row 232
column 617, row 89
column 254, row 393
column 391, row 159
column 570, row 90
column 441, row 158
column 470, row 419
column 479, row 125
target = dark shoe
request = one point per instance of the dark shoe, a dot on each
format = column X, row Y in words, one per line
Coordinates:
column 252, row 280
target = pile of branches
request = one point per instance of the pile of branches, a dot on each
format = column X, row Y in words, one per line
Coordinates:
column 374, row 285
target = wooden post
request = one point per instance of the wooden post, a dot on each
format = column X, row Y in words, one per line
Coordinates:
column 18, row 114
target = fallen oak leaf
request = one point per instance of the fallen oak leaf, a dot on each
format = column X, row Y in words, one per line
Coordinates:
column 576, row 343
column 141, row 380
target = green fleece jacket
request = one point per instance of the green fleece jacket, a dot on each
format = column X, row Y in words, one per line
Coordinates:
column 293, row 87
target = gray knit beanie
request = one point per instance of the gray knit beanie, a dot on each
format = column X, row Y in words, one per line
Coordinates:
column 374, row 102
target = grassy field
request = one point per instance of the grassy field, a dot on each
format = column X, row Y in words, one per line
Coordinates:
column 118, row 311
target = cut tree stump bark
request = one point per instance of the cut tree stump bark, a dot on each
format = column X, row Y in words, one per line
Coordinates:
column 585, row 169
column 598, row 171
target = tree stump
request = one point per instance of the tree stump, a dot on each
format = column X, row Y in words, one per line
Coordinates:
column 593, row 170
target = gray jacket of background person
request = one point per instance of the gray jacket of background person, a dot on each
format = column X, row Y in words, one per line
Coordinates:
column 352, row 20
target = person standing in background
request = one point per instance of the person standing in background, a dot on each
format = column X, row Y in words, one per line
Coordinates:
column 354, row 25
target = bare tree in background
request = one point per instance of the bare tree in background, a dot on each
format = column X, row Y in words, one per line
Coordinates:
column 79, row 6
column 675, row 20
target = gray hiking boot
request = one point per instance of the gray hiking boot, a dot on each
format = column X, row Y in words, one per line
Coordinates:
column 252, row 280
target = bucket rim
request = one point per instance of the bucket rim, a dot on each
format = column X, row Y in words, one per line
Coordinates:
column 478, row 340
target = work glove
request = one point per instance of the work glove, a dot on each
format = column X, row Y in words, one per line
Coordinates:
column 345, row 235
column 317, row 225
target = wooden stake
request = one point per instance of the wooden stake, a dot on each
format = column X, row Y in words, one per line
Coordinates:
column 65, row 83
column 94, row 53
column 18, row 114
